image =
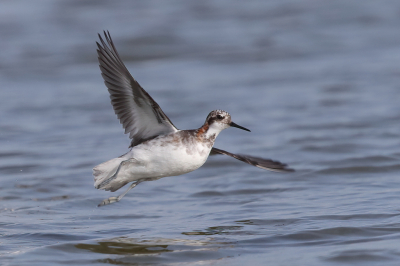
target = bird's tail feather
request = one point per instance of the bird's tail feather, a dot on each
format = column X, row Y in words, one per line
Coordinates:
column 104, row 175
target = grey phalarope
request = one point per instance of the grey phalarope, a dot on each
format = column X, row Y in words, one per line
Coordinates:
column 159, row 149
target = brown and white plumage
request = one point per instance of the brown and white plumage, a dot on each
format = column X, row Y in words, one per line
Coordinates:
column 159, row 149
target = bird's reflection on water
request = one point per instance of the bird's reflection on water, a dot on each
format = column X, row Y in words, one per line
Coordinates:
column 118, row 247
column 136, row 250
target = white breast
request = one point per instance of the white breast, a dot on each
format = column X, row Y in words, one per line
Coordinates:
column 167, row 156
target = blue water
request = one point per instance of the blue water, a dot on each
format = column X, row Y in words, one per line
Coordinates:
column 317, row 82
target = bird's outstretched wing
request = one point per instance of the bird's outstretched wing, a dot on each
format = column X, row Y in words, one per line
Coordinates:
column 138, row 113
column 262, row 163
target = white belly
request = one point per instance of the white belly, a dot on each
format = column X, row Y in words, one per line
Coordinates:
column 161, row 158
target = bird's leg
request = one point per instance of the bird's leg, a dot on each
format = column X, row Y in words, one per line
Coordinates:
column 116, row 199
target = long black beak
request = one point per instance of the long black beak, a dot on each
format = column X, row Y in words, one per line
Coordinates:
column 236, row 125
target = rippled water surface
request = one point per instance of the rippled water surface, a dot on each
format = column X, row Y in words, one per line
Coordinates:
column 317, row 82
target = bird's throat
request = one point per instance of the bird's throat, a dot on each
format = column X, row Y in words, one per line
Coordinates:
column 202, row 132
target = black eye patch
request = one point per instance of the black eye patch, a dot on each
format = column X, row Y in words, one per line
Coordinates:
column 220, row 117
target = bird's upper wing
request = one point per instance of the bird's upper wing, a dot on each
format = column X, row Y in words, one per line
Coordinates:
column 138, row 113
column 255, row 161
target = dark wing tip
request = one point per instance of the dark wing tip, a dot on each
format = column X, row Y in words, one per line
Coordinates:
column 262, row 163
column 267, row 164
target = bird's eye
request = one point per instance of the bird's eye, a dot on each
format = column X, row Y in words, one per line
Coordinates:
column 220, row 117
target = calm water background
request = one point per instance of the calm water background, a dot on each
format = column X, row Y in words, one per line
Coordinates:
column 317, row 82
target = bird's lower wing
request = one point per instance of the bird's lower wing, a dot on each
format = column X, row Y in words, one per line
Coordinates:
column 262, row 163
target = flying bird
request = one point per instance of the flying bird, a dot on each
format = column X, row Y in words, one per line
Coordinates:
column 158, row 148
